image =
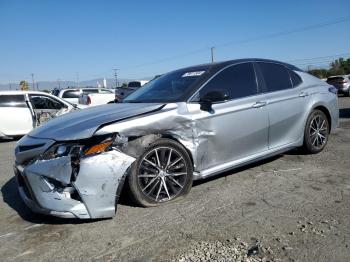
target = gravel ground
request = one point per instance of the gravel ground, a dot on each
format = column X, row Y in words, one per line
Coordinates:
column 288, row 208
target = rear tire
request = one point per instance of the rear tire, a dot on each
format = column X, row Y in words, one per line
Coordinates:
column 316, row 132
column 163, row 173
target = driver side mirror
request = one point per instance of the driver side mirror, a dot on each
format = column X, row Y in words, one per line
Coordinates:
column 212, row 97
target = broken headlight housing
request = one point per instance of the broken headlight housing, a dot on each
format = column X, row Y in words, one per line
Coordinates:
column 90, row 147
column 60, row 150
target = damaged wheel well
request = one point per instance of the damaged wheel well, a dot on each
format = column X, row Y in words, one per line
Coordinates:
column 173, row 138
column 137, row 145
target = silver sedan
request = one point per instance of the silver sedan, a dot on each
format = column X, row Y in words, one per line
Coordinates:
column 188, row 124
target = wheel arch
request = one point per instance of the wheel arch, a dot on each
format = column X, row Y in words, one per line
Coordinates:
column 326, row 111
column 169, row 136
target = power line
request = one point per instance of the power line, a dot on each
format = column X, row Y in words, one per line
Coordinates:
column 247, row 40
column 320, row 57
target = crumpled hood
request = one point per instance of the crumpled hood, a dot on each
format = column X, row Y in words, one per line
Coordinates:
column 82, row 124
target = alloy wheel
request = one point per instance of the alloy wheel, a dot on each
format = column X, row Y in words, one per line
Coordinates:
column 162, row 174
column 318, row 131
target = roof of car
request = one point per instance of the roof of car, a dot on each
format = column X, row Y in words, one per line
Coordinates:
column 219, row 65
column 19, row 92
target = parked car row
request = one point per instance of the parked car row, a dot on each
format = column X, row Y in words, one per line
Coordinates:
column 21, row 111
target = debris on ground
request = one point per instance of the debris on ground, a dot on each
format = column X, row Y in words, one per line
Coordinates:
column 229, row 250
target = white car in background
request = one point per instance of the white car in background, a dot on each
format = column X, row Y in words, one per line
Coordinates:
column 21, row 111
column 72, row 94
column 105, row 96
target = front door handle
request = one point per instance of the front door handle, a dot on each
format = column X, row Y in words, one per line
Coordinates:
column 259, row 104
column 303, row 94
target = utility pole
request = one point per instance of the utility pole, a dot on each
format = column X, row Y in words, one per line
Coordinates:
column 59, row 83
column 33, row 81
column 212, row 53
column 10, row 85
column 116, row 76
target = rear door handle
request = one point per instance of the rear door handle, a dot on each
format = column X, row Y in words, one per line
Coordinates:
column 259, row 104
column 303, row 94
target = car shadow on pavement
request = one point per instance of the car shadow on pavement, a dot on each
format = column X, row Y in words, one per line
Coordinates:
column 12, row 198
column 344, row 113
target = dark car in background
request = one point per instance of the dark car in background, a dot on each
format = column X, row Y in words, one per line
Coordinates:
column 341, row 83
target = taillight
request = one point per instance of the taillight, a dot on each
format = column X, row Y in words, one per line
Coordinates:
column 88, row 100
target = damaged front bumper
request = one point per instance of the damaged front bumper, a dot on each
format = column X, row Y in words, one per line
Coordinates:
column 51, row 187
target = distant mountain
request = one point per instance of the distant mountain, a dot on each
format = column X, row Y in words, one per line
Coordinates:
column 49, row 85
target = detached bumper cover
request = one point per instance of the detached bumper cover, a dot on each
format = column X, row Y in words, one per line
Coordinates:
column 48, row 187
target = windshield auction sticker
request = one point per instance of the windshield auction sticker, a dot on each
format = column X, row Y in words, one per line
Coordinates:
column 197, row 73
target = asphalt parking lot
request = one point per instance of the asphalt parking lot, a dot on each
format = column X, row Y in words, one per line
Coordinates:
column 290, row 208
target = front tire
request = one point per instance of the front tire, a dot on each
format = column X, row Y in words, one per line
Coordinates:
column 316, row 132
column 161, row 174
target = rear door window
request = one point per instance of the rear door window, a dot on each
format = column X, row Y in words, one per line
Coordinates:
column 238, row 81
column 12, row 101
column 276, row 76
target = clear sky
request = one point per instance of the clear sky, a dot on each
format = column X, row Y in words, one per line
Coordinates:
column 56, row 39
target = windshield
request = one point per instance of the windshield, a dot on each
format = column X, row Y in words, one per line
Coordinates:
column 171, row 87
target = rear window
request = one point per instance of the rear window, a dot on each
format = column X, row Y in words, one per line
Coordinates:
column 335, row 79
column 134, row 84
column 276, row 76
column 71, row 94
column 12, row 101
column 90, row 91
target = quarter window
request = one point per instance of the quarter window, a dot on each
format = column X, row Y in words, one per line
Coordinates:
column 296, row 80
column 238, row 81
column 276, row 76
